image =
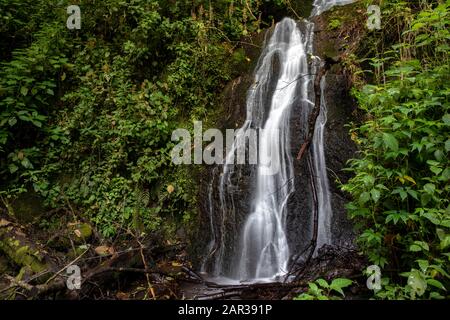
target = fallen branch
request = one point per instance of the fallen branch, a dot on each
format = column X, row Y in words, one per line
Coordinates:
column 305, row 147
column 316, row 110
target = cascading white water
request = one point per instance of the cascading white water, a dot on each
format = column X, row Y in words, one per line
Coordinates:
column 320, row 172
column 262, row 251
column 324, row 5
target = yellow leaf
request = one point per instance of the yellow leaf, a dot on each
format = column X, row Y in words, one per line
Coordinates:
column 103, row 250
column 4, row 223
column 153, row 293
column 409, row 179
column 170, row 188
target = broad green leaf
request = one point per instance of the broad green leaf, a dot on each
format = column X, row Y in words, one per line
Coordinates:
column 429, row 188
column 416, row 26
column 24, row 91
column 37, row 123
column 436, row 295
column 339, row 283
column 424, row 199
column 445, row 238
column 419, row 246
column 314, row 288
column 375, row 195
column 413, row 194
column 322, row 283
column 423, row 264
column 364, row 197
column 390, row 141
column 337, row 289
column 436, row 283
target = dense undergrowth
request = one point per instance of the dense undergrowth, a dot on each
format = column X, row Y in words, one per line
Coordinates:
column 87, row 115
column 400, row 186
column 86, row 118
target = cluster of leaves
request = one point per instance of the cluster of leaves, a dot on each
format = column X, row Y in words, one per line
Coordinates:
column 86, row 115
column 400, row 185
column 322, row 290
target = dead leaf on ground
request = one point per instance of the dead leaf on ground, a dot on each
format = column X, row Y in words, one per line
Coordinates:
column 4, row 223
column 104, row 250
column 122, row 295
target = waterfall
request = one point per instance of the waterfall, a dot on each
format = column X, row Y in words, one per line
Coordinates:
column 259, row 251
column 320, row 172
column 321, row 6
column 263, row 251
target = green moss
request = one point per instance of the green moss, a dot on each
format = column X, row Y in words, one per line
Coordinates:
column 22, row 255
column 329, row 50
column 28, row 206
column 80, row 232
column 334, row 24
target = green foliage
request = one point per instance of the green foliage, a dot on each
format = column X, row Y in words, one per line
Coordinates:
column 322, row 290
column 86, row 115
column 400, row 185
column 334, row 24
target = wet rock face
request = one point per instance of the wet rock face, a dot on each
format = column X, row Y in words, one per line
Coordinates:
column 227, row 222
column 338, row 149
column 299, row 220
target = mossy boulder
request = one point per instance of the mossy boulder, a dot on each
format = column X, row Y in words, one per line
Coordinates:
column 28, row 207
column 340, row 30
column 80, row 232
column 20, row 251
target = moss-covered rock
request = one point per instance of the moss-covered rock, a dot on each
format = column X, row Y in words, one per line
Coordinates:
column 28, row 206
column 80, row 232
column 22, row 252
column 340, row 30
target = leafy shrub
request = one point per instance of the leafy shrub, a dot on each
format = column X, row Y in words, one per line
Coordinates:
column 322, row 290
column 86, row 115
column 400, row 184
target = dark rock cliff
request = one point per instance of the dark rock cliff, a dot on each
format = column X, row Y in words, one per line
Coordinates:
column 339, row 147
